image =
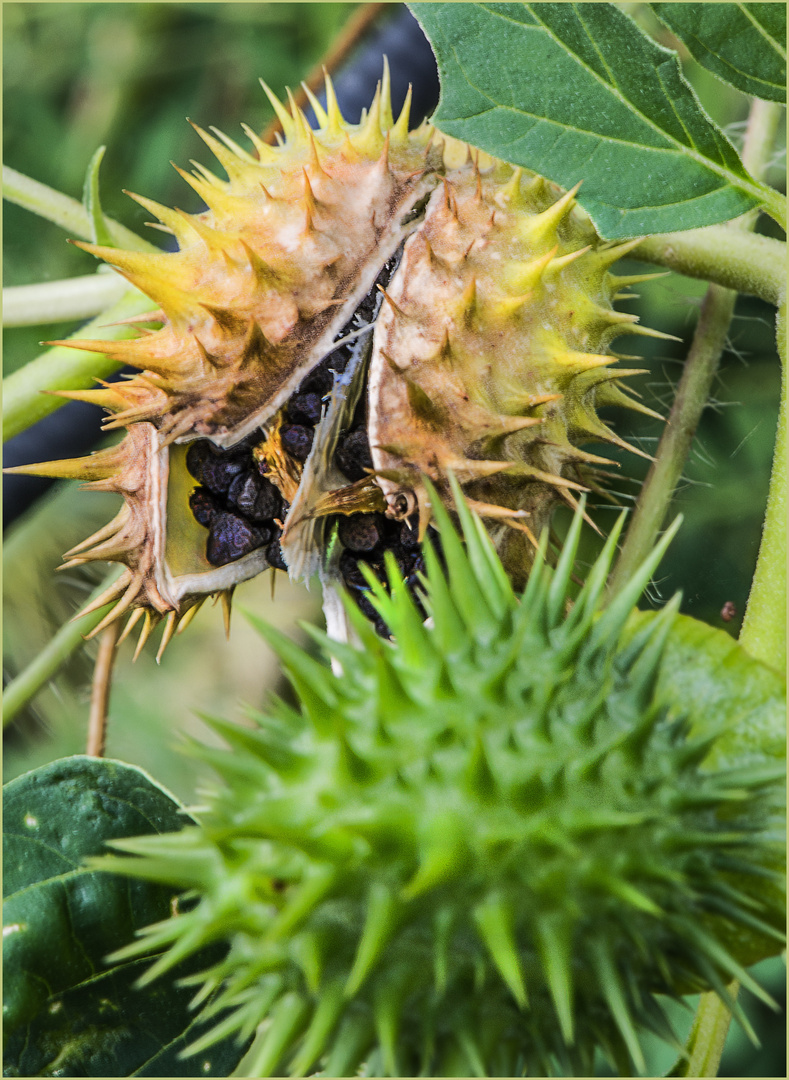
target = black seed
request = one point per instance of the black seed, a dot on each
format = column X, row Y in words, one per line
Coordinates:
column 297, row 440
column 361, row 532
column 231, row 537
column 351, row 572
column 214, row 468
column 361, row 598
column 274, row 555
column 203, row 506
column 304, row 409
column 353, row 454
column 319, row 381
column 409, row 534
column 255, row 497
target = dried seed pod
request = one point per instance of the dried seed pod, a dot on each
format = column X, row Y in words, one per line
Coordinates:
column 253, row 423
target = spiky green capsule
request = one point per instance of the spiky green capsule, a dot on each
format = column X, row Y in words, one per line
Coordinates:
column 489, row 849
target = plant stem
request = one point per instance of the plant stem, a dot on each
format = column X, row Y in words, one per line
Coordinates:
column 56, row 301
column 707, row 1037
column 754, row 265
column 100, row 690
column 709, row 340
column 763, row 631
column 54, row 654
column 62, row 368
column 64, row 211
column 701, row 364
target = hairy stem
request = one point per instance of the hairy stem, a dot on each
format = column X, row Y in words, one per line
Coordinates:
column 709, row 340
column 64, row 211
column 701, row 364
column 763, row 631
column 62, row 368
column 54, row 654
column 57, row 301
column 754, row 265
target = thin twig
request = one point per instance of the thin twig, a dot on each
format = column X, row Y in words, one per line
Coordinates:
column 100, row 690
column 357, row 26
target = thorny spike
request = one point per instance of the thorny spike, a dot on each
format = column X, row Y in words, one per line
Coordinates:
column 299, row 119
column 574, row 505
column 150, row 622
column 399, row 130
column 582, row 361
column 386, row 119
column 565, row 260
column 123, row 604
column 134, row 618
column 267, row 155
column 167, row 633
column 525, row 276
column 285, row 119
column 227, row 605
column 336, row 123
column 230, row 163
column 187, row 617
column 544, row 224
column 320, row 113
column 239, row 151
column 608, row 256
column 370, row 138
column 108, row 530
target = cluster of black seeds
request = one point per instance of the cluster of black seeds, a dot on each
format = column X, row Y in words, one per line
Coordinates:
column 235, row 501
column 365, row 539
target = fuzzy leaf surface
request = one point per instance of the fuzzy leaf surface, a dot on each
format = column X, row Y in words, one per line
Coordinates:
column 579, row 92
column 66, row 1011
column 743, row 44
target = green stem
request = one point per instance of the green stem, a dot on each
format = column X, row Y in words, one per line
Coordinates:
column 62, row 368
column 702, row 361
column 709, row 340
column 707, row 1037
column 763, row 631
column 58, row 301
column 54, row 654
column 65, row 211
column 754, row 265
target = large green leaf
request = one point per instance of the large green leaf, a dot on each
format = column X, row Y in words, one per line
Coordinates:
column 579, row 92
column 66, row 1012
column 744, row 44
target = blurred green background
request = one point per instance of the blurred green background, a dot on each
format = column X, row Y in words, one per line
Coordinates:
column 126, row 75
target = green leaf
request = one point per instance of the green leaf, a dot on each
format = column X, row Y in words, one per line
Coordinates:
column 579, row 92
column 92, row 203
column 706, row 674
column 67, row 1012
column 743, row 44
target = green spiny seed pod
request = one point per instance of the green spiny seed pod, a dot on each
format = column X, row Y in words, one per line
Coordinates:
column 484, row 848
